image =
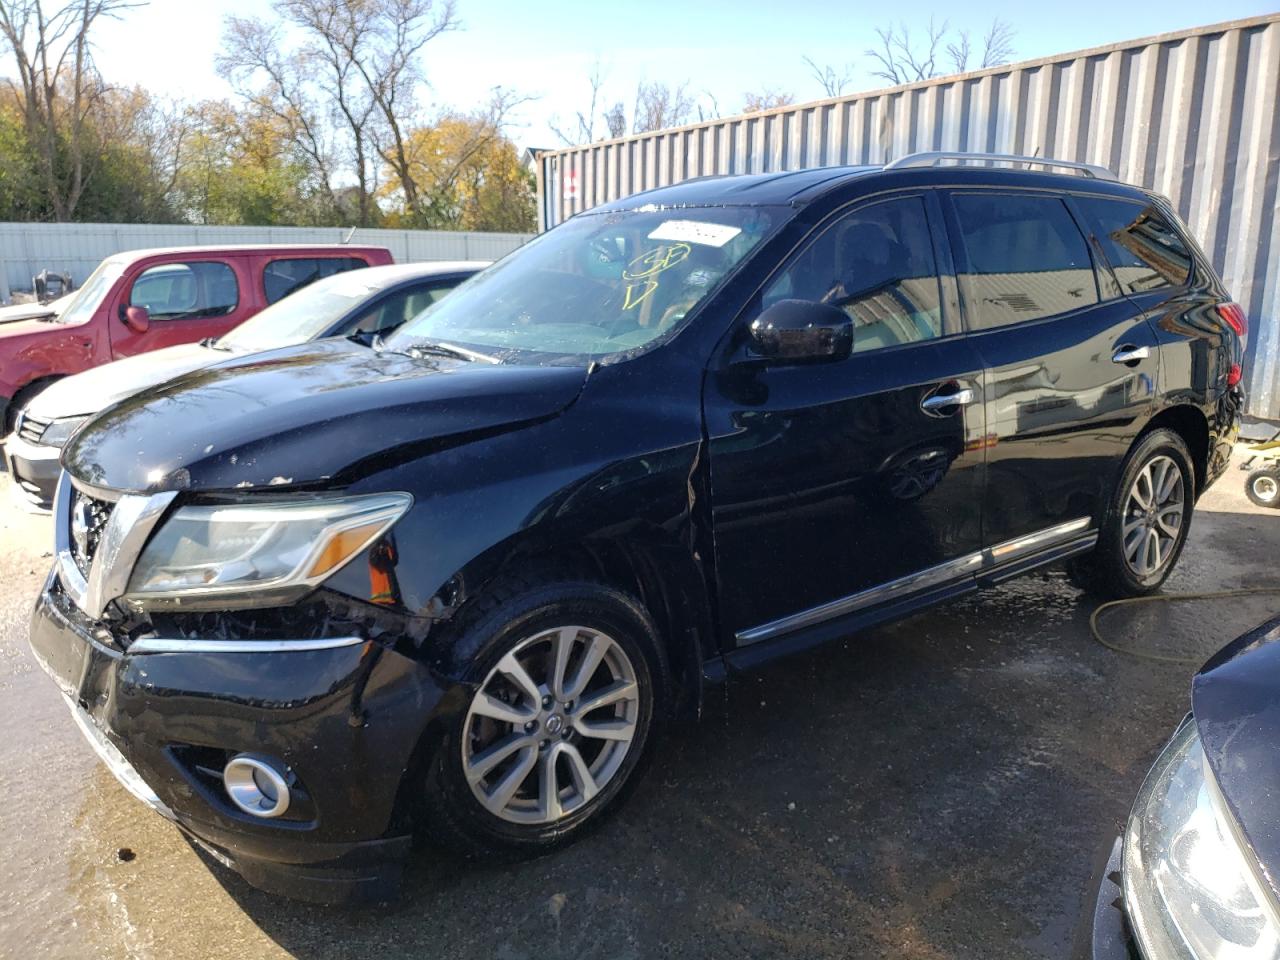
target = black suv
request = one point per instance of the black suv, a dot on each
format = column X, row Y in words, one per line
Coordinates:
column 309, row 600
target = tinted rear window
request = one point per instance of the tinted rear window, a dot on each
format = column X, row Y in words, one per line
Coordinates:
column 1144, row 250
column 284, row 276
column 1027, row 259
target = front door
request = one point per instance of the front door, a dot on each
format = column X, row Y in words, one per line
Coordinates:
column 1071, row 369
column 835, row 484
column 186, row 301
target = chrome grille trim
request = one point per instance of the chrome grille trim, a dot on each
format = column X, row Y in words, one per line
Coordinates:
column 132, row 519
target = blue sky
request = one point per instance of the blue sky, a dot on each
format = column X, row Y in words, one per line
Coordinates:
column 722, row 48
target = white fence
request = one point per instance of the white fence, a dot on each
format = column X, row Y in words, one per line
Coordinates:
column 76, row 248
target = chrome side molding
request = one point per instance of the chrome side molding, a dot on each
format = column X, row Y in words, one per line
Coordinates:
column 971, row 563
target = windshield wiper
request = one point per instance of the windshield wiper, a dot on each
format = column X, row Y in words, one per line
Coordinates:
column 437, row 348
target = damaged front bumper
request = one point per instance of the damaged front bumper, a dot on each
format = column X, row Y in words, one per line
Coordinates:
column 343, row 718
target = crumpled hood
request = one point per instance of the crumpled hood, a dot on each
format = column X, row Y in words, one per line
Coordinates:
column 99, row 387
column 320, row 412
column 1236, row 701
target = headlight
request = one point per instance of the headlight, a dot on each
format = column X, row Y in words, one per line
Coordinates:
column 59, row 432
column 1189, row 885
column 204, row 557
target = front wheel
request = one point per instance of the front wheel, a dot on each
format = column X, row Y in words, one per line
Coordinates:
column 1146, row 522
column 570, row 681
column 1262, row 487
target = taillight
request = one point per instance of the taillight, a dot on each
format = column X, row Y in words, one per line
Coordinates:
column 1234, row 375
column 1232, row 315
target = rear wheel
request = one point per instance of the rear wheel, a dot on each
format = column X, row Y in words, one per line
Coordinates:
column 1263, row 487
column 1146, row 523
column 570, row 683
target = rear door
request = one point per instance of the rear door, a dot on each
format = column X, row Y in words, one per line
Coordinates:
column 187, row 300
column 1071, row 367
column 281, row 275
column 839, row 487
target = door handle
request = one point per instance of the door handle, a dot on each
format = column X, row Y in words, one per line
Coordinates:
column 943, row 401
column 1130, row 354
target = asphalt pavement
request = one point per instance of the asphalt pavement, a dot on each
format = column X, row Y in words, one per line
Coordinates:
column 941, row 787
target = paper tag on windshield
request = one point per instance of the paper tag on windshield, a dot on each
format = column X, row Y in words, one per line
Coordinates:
column 692, row 231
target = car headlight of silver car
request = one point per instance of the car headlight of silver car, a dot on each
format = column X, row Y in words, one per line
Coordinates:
column 59, row 432
column 256, row 554
column 1191, row 888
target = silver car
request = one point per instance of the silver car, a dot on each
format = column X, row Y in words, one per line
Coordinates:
column 361, row 303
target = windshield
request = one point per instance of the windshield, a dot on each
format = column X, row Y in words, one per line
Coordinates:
column 598, row 285
column 91, row 293
column 303, row 315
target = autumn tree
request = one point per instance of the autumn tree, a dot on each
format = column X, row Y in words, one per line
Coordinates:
column 466, row 175
column 242, row 166
column 58, row 89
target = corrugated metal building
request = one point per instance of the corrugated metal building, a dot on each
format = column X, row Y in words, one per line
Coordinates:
column 76, row 248
column 1192, row 115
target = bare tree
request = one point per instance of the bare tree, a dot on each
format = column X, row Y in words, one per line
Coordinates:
column 833, row 82
column 997, row 48
column 391, row 66
column 904, row 59
column 260, row 69
column 59, row 86
column 585, row 131
column 766, row 99
column 660, row 105
column 615, row 120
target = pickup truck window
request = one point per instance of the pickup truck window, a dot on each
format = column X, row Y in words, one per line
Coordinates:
column 179, row 291
column 283, row 277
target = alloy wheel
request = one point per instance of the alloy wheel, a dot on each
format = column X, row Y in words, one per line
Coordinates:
column 1153, row 516
column 550, row 725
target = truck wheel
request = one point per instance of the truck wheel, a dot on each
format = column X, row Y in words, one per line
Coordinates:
column 568, row 687
column 1262, row 487
column 1145, row 525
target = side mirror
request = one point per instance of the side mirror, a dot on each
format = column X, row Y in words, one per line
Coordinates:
column 801, row 331
column 137, row 319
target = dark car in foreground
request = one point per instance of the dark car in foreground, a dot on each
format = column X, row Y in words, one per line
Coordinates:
column 368, row 302
column 313, row 600
column 1197, row 874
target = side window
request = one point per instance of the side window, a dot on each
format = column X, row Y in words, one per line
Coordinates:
column 1144, row 250
column 1027, row 259
column 394, row 310
column 180, row 291
column 282, row 277
column 877, row 265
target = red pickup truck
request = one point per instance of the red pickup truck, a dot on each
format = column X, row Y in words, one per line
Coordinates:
column 146, row 299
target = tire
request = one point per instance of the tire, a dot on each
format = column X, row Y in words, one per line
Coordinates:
column 1262, row 487
column 20, row 401
column 1125, row 563
column 527, row 622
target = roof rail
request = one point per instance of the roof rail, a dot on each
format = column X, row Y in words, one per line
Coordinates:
column 933, row 158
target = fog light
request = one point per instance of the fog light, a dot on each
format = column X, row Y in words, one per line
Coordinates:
column 256, row 786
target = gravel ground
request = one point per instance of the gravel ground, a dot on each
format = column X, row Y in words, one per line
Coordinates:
column 941, row 787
